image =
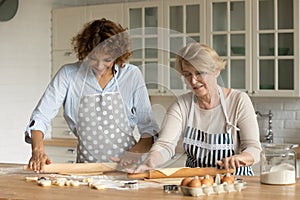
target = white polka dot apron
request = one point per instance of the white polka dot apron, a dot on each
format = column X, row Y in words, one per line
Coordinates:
column 205, row 149
column 103, row 129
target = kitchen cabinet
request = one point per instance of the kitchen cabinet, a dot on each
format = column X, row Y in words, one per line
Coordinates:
column 67, row 22
column 60, row 128
column 59, row 154
column 159, row 29
column 259, row 40
column 185, row 24
column 61, row 150
column 61, row 57
column 143, row 20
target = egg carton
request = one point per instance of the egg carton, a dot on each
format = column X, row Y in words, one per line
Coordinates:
column 237, row 186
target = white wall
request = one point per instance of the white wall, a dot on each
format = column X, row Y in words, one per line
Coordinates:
column 25, row 43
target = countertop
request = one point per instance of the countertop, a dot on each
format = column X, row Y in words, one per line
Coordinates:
column 14, row 186
column 61, row 142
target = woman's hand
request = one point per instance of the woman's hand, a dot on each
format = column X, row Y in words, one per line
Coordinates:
column 128, row 159
column 130, row 164
column 243, row 159
column 146, row 166
column 38, row 160
column 231, row 162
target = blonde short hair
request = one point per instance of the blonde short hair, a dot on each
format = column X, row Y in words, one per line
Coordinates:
column 201, row 57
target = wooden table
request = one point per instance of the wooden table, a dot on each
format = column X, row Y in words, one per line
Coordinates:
column 14, row 186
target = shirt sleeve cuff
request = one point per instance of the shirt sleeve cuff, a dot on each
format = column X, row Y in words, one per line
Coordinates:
column 33, row 125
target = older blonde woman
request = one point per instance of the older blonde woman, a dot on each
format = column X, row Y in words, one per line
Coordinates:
column 216, row 126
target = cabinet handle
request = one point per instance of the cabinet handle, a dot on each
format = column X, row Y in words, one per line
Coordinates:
column 162, row 91
column 72, row 151
column 68, row 53
column 252, row 92
column 67, row 133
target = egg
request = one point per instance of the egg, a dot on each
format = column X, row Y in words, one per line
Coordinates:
column 195, row 182
column 228, row 178
column 186, row 181
column 207, row 180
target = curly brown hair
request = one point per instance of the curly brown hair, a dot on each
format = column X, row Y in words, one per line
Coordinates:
column 105, row 35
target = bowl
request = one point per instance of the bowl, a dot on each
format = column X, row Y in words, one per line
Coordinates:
column 238, row 50
column 281, row 51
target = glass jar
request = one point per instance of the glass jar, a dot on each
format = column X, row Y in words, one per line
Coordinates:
column 278, row 164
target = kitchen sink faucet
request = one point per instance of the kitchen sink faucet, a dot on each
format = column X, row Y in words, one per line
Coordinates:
column 269, row 135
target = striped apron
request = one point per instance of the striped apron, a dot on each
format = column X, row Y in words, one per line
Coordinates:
column 205, row 149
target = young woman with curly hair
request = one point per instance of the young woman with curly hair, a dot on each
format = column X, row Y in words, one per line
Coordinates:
column 103, row 97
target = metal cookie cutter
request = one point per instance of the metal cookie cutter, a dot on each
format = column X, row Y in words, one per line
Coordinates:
column 170, row 188
column 131, row 184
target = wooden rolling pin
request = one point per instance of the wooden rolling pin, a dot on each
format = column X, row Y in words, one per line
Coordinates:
column 78, row 168
column 180, row 173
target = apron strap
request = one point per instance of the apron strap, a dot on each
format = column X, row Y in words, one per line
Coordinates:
column 191, row 117
column 223, row 104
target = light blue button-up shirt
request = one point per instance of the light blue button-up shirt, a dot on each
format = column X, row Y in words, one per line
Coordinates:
column 75, row 80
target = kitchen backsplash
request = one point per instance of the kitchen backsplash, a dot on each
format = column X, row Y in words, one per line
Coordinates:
column 285, row 120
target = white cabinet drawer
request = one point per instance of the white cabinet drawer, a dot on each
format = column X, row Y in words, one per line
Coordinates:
column 57, row 159
column 60, row 129
column 59, row 154
column 61, row 151
column 58, row 132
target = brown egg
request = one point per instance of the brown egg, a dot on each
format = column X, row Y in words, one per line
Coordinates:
column 228, row 178
column 196, row 182
column 186, row 181
column 207, row 180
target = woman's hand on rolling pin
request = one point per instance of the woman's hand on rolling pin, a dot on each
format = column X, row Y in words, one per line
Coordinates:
column 145, row 166
column 38, row 160
column 231, row 162
column 127, row 160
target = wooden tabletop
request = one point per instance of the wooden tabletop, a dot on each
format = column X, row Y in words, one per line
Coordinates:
column 14, row 186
